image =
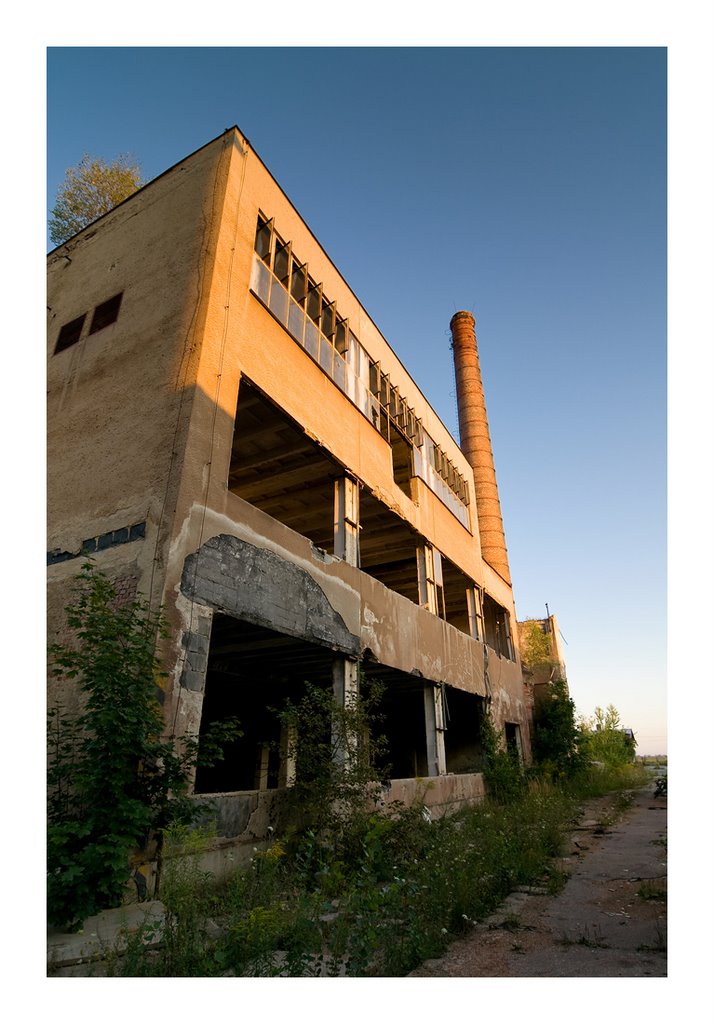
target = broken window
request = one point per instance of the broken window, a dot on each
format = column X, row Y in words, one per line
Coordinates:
column 298, row 303
column 513, row 739
column 475, row 612
column 106, row 313
column 463, row 719
column 252, row 672
column 401, row 721
column 402, row 461
column 70, row 333
column 497, row 628
column 387, row 546
column 431, row 580
column 279, row 469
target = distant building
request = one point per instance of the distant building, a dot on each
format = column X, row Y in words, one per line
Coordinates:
column 232, row 437
column 542, row 655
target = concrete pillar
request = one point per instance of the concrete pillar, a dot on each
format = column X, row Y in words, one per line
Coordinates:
column 346, row 520
column 288, row 747
column 345, row 687
column 263, row 768
column 475, row 441
column 434, row 722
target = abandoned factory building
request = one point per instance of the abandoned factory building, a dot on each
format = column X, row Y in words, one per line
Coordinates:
column 231, row 437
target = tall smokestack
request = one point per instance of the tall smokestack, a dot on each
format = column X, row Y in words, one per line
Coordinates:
column 476, row 441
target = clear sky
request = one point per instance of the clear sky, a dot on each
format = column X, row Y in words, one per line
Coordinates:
column 527, row 185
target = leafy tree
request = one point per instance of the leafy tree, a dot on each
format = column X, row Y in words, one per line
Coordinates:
column 90, row 189
column 113, row 781
column 557, row 741
column 605, row 740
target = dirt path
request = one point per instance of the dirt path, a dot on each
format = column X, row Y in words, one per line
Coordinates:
column 609, row 919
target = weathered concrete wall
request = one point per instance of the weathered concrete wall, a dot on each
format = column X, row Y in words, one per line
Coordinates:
column 141, row 429
column 259, row 586
column 119, row 399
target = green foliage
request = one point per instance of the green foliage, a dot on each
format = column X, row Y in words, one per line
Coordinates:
column 90, row 189
column 335, row 749
column 535, row 645
column 112, row 780
column 502, row 773
column 604, row 739
column 412, row 885
column 557, row 742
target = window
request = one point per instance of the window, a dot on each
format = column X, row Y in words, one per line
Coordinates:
column 497, row 628
column 297, row 301
column 70, row 333
column 106, row 313
column 262, row 239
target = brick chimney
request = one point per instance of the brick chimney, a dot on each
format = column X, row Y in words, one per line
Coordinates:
column 476, row 441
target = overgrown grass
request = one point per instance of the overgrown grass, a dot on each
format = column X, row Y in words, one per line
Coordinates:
column 376, row 898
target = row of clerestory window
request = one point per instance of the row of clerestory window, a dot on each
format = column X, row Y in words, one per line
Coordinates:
column 103, row 315
column 282, row 282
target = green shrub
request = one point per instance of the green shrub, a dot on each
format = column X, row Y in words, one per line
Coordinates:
column 113, row 782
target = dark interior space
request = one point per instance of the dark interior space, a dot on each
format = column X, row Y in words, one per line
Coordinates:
column 252, row 671
column 463, row 714
column 401, row 721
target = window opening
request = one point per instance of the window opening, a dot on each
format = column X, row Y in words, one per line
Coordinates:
column 298, row 282
column 431, row 580
column 497, row 628
column 263, row 236
column 475, row 612
column 328, row 322
column 314, row 301
column 106, row 313
column 463, row 714
column 281, row 264
column 70, row 333
column 513, row 739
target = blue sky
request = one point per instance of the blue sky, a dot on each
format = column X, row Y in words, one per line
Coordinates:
column 527, row 185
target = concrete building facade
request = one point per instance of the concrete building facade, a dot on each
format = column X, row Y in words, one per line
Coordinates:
column 231, row 437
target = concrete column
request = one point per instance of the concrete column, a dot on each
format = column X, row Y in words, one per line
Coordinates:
column 288, row 744
column 475, row 441
column 346, row 520
column 345, row 687
column 263, row 769
column 434, row 721
column 426, row 577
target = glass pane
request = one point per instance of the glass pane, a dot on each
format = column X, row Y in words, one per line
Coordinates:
column 260, row 281
column 298, row 283
column 313, row 303
column 338, row 371
column 262, row 240
column 296, row 321
column 341, row 337
column 282, row 256
column 311, row 338
column 279, row 302
column 326, row 352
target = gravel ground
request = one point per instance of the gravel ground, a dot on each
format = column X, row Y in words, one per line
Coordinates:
column 609, row 920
